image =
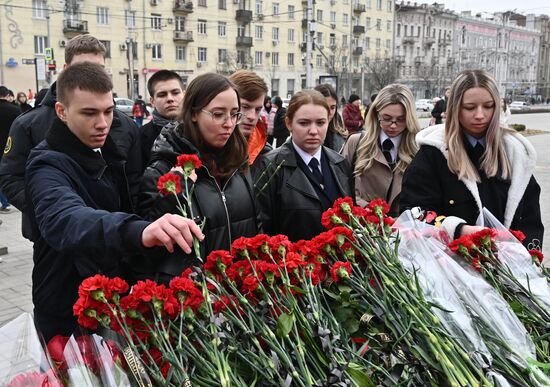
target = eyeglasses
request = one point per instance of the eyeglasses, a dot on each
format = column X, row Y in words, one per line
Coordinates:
column 221, row 117
column 397, row 122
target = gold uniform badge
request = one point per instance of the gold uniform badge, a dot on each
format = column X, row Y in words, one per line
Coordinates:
column 8, row 145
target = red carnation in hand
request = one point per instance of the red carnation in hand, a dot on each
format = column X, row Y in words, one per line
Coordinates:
column 340, row 271
column 169, row 183
column 537, row 254
column 188, row 163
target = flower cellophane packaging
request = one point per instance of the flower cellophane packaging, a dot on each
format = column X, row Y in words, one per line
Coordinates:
column 419, row 256
column 23, row 360
column 518, row 260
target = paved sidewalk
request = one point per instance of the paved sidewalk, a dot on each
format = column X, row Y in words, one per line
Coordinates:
column 16, row 266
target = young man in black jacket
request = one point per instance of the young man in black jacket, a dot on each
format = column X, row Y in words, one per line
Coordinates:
column 166, row 91
column 78, row 198
column 30, row 128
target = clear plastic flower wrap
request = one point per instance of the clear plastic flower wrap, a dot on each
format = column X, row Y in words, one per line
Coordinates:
column 23, row 361
column 419, row 256
column 520, row 263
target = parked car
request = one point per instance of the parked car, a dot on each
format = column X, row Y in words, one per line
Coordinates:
column 519, row 105
column 424, row 104
column 285, row 102
column 124, row 105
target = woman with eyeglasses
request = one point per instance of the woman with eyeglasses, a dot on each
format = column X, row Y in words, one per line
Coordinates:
column 382, row 152
column 472, row 162
column 302, row 178
column 222, row 191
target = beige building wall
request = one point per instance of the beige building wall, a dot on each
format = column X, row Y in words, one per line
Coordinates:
column 196, row 36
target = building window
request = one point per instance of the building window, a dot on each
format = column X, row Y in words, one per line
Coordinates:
column 39, row 9
column 259, row 7
column 345, row 19
column 367, row 24
column 291, row 9
column 332, row 40
column 379, row 5
column 102, row 16
column 388, row 25
column 367, row 43
column 291, row 34
column 156, row 21
column 332, row 17
column 319, row 38
column 222, row 29
column 275, row 87
column 319, row 15
column 40, row 43
column 107, row 44
column 241, row 31
column 379, row 24
column 130, row 18
column 201, row 26
column 181, row 53
column 368, row 4
column 398, row 33
column 222, row 4
column 388, row 44
column 202, row 57
column 222, row 55
column 275, row 59
column 202, row 3
column 258, row 58
column 157, row 51
column 319, row 61
column 275, row 34
column 378, row 43
column 180, row 23
column 390, row 6
column 290, row 86
column 275, row 9
column 290, row 59
column 259, row 32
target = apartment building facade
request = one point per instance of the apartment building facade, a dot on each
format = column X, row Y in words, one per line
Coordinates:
column 196, row 36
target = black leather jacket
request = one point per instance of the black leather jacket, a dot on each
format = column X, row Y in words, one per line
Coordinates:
column 288, row 201
column 230, row 210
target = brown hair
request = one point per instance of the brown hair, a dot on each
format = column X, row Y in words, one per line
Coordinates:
column 199, row 93
column 305, row 97
column 249, row 85
column 84, row 76
column 336, row 125
column 161, row 76
column 83, row 44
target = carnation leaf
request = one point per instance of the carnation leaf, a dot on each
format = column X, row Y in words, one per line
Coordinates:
column 359, row 375
column 352, row 326
column 284, row 324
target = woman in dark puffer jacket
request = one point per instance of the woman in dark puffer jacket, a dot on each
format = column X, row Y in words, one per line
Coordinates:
column 222, row 190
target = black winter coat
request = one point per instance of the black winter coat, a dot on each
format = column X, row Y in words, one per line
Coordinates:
column 29, row 129
column 75, row 198
column 8, row 114
column 230, row 211
column 280, row 131
column 289, row 203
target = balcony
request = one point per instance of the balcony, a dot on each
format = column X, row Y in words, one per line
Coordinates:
column 444, row 42
column 183, row 36
column 303, row 46
column 450, row 61
column 244, row 15
column 429, row 41
column 244, row 41
column 75, row 26
column 417, row 61
column 357, row 51
column 359, row 8
column 399, row 59
column 183, row 6
column 409, row 40
column 358, row 30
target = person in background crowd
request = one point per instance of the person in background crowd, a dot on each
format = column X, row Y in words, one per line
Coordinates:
column 440, row 107
column 166, row 90
column 30, row 128
column 353, row 120
column 505, row 112
column 139, row 111
column 280, row 131
column 252, row 91
column 78, row 196
column 271, row 110
column 222, row 190
column 337, row 134
column 40, row 96
column 473, row 162
column 8, row 114
column 380, row 155
column 22, row 102
column 302, row 178
column 30, row 95
column 11, row 97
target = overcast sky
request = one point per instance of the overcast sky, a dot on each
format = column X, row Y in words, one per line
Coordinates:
column 526, row 6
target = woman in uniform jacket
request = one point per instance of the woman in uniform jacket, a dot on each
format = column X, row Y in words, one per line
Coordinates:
column 223, row 194
column 302, row 178
column 381, row 154
column 472, row 162
column 337, row 132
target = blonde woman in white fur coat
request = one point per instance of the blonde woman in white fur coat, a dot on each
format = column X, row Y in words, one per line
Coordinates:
column 471, row 162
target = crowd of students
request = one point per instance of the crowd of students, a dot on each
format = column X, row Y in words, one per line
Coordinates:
column 89, row 193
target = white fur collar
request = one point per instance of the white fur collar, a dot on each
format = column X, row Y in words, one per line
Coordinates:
column 520, row 152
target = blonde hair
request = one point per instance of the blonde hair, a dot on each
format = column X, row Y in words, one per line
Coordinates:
column 367, row 148
column 495, row 159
